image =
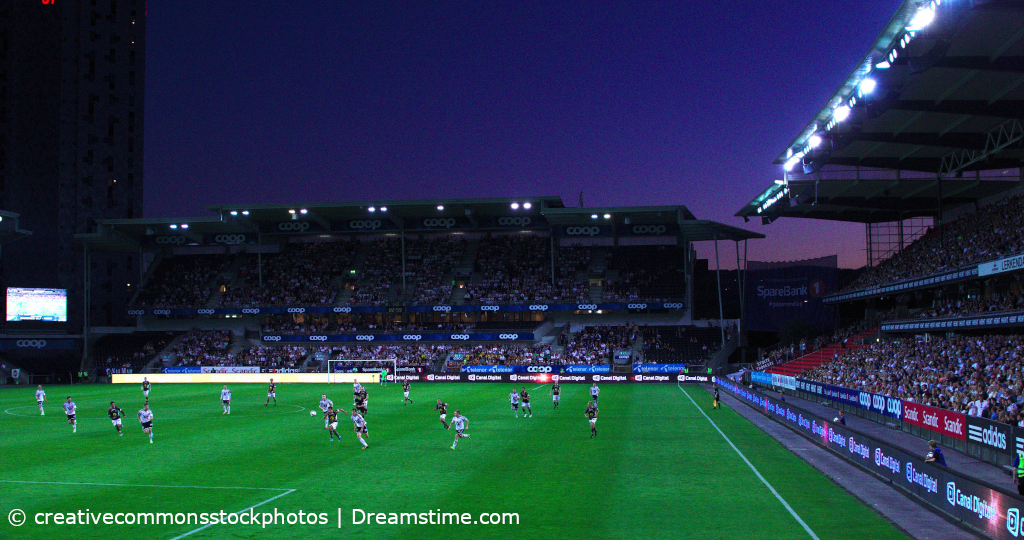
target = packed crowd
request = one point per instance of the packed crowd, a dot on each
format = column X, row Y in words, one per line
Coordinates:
column 975, row 375
column 268, row 358
column 182, row 281
column 506, row 354
column 431, row 262
column 597, row 344
column 202, row 347
column 300, row 275
column 382, row 264
column 516, row 270
column 405, row 355
column 994, row 231
column 283, row 324
column 991, row 303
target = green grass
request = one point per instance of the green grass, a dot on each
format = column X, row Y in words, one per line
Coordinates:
column 658, row 469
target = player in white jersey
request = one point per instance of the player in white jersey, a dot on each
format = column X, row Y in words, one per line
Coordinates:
column 513, row 399
column 324, row 405
column 225, row 400
column 461, row 423
column 71, row 409
column 40, row 399
column 146, row 419
column 360, row 423
column 594, row 391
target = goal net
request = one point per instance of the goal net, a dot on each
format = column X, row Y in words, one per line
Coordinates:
column 373, row 366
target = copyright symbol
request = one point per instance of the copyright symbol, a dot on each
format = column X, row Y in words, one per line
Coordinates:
column 16, row 517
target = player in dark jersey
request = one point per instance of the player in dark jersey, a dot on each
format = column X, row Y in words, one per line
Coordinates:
column 116, row 414
column 361, row 404
column 556, row 394
column 591, row 414
column 443, row 408
column 271, row 393
column 145, row 388
column 716, row 404
column 331, row 416
column 524, row 397
column 405, row 389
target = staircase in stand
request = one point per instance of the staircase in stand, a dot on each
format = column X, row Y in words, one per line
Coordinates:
column 821, row 356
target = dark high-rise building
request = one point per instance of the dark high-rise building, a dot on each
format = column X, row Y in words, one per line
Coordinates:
column 71, row 109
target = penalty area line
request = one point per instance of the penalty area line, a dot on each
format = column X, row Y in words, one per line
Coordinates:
column 204, row 527
column 541, row 386
column 751, row 465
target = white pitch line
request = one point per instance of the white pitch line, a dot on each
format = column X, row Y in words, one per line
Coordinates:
column 751, row 465
column 274, row 498
column 541, row 386
column 138, row 485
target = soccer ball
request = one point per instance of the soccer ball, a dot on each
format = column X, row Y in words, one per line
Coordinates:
column 312, row 413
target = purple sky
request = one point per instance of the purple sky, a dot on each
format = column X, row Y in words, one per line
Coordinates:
column 634, row 104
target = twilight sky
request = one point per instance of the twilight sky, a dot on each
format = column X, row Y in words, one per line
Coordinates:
column 634, row 103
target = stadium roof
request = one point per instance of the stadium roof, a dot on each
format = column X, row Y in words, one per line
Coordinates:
column 869, row 200
column 244, row 223
column 9, row 228
column 940, row 92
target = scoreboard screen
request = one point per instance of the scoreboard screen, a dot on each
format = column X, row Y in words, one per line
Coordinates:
column 25, row 304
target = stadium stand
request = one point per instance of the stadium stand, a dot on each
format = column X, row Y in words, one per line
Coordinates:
column 974, row 375
column 516, row 269
column 301, row 274
column 597, row 344
column 184, row 280
column 680, row 344
column 646, row 273
column 129, row 353
column 202, row 347
column 816, row 356
column 992, row 232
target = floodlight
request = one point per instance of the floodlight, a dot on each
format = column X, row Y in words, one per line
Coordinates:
column 184, row 225
column 515, row 206
column 607, row 216
column 372, row 209
column 593, row 216
column 173, row 226
column 867, row 86
column 814, row 141
column 440, row 207
column 245, row 212
column 841, row 113
column 303, row 211
column 292, row 211
column 383, row 208
column 922, row 18
column 234, row 212
column 527, row 205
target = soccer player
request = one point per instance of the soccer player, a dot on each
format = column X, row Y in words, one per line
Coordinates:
column 360, row 424
column 146, row 419
column 361, row 403
column 70, row 409
column 383, row 376
column 271, row 393
column 591, row 414
column 324, row 405
column 116, row 414
column 145, row 388
column 525, row 397
column 513, row 399
column 405, row 390
column 716, row 404
column 443, row 407
column 461, row 424
column 594, row 391
column 331, row 416
column 356, row 390
column 556, row 391
column 40, row 399
column 225, row 400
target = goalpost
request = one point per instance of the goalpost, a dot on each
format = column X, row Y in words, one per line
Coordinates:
column 390, row 363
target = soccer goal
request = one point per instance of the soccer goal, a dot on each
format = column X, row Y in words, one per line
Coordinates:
column 344, row 365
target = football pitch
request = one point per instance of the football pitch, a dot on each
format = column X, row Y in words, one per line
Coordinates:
column 659, row 468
